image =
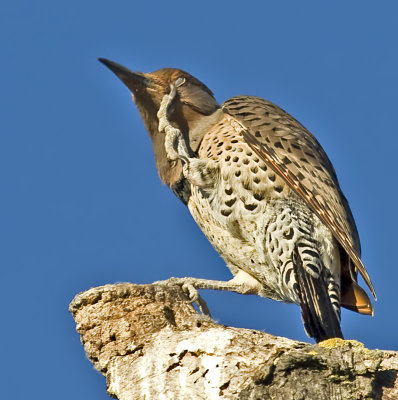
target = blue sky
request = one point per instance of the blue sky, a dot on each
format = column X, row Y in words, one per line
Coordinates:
column 81, row 202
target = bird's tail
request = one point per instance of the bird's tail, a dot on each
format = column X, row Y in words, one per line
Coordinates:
column 321, row 321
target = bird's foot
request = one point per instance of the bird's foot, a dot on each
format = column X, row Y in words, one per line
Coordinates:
column 199, row 172
column 190, row 290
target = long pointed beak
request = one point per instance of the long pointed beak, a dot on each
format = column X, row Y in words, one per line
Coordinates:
column 133, row 80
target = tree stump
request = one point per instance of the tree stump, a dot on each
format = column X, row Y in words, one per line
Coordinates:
column 151, row 343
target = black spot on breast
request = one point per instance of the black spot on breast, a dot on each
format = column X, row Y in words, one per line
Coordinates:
column 254, row 170
column 237, row 174
column 272, row 177
column 250, row 207
column 226, row 213
column 245, row 161
column 228, row 191
column 256, row 180
column 227, row 158
column 231, row 202
column 234, row 141
column 228, row 148
column 249, row 153
column 220, row 144
column 235, row 159
column 263, row 167
column 258, row 196
column 278, row 188
column 278, row 145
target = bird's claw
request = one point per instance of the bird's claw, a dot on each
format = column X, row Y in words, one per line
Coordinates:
column 191, row 292
column 194, row 297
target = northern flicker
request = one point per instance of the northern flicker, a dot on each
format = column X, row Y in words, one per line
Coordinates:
column 262, row 190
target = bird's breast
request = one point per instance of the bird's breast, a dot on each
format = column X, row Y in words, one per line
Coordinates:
column 236, row 210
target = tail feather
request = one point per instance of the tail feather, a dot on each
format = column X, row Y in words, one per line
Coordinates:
column 355, row 299
column 320, row 319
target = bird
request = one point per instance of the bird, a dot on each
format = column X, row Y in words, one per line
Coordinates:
column 262, row 190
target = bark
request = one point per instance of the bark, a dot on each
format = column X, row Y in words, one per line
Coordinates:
column 150, row 343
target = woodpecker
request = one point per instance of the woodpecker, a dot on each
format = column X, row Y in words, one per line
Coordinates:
column 262, row 190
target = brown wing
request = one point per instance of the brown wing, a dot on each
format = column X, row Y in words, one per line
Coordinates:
column 294, row 153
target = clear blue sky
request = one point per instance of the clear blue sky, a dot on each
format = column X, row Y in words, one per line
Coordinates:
column 81, row 202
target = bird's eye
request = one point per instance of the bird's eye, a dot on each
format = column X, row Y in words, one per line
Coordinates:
column 179, row 81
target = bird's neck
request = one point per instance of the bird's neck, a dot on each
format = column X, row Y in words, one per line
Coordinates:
column 197, row 127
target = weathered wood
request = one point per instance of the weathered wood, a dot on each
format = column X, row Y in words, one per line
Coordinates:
column 150, row 343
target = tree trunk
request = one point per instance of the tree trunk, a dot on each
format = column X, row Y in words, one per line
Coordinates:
column 150, row 343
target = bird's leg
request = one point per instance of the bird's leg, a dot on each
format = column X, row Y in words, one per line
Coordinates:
column 233, row 285
column 199, row 172
column 242, row 283
column 175, row 145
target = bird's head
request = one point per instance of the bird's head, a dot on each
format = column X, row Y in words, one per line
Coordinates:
column 193, row 107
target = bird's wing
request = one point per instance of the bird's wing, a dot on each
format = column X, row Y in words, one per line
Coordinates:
column 294, row 154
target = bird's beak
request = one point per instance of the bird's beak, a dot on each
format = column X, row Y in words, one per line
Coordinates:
column 133, row 80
